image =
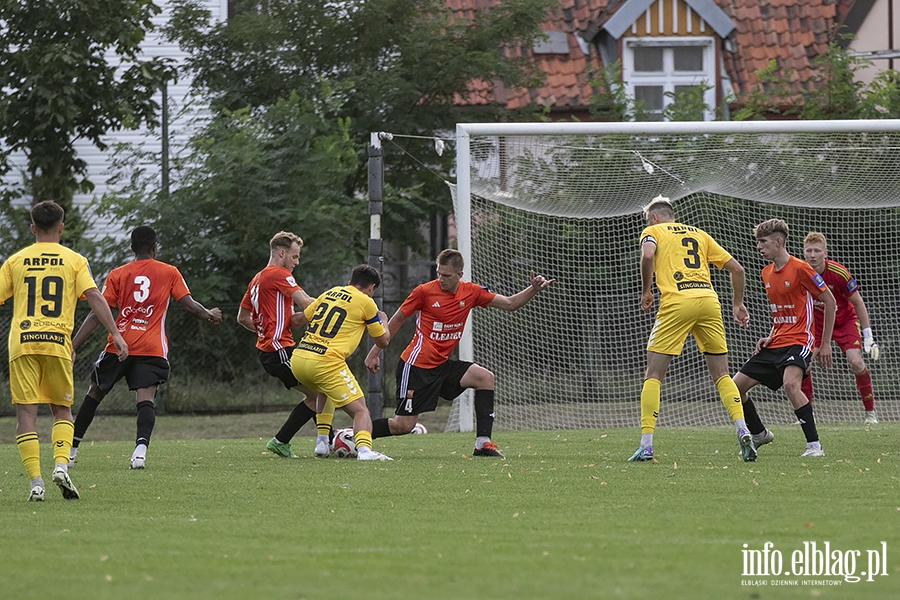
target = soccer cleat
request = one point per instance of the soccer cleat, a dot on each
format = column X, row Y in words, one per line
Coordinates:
column 761, row 439
column 871, row 419
column 36, row 494
column 372, row 455
column 489, row 449
column 61, row 479
column 748, row 452
column 137, row 462
column 813, row 449
column 322, row 450
column 72, row 454
column 642, row 454
column 280, row 449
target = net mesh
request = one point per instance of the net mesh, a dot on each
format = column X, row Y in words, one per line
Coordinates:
column 569, row 207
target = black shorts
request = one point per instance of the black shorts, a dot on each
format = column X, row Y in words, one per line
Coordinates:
column 418, row 389
column 768, row 366
column 278, row 364
column 139, row 371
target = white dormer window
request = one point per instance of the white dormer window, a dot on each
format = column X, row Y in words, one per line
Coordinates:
column 656, row 66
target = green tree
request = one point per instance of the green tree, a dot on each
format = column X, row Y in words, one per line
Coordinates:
column 247, row 175
column 60, row 86
column 399, row 66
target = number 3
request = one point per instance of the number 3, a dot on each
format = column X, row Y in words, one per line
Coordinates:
column 693, row 259
column 143, row 291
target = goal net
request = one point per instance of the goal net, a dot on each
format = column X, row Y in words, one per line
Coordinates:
column 566, row 199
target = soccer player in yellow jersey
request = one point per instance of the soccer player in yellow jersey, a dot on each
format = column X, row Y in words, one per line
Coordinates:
column 678, row 256
column 337, row 320
column 45, row 281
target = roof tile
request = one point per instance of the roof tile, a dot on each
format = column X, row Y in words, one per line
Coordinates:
column 795, row 32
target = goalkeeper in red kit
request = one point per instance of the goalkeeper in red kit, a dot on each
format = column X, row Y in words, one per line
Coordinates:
column 852, row 329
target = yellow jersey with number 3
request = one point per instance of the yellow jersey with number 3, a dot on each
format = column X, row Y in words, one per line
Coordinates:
column 45, row 280
column 337, row 320
column 681, row 261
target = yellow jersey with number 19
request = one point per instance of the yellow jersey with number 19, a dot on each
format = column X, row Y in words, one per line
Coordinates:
column 45, row 280
column 681, row 261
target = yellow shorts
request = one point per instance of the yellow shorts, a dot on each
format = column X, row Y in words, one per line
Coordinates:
column 332, row 378
column 701, row 317
column 40, row 379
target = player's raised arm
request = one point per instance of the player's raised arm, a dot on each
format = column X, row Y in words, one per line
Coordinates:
column 517, row 301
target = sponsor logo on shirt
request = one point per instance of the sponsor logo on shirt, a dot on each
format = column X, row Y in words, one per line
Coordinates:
column 50, row 337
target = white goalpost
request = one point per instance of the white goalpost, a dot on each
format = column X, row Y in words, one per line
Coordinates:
column 565, row 200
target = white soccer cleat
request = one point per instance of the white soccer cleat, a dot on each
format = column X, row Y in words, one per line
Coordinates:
column 763, row 438
column 871, row 419
column 813, row 449
column 36, row 494
column 137, row 462
column 322, row 449
column 371, row 455
column 64, row 482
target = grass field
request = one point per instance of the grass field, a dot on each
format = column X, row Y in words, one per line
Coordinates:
column 564, row 516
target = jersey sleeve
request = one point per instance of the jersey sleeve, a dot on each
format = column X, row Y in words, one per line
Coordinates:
column 111, row 288
column 484, row 297
column 245, row 301
column 716, row 254
column 811, row 280
column 287, row 285
column 413, row 302
column 84, row 279
column 6, row 287
column 647, row 236
column 373, row 320
column 179, row 286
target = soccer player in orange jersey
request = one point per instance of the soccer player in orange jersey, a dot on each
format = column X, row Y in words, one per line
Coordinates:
column 141, row 289
column 45, row 281
column 266, row 309
column 783, row 357
column 425, row 370
column 852, row 330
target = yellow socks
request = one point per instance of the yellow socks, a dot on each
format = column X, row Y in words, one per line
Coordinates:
column 730, row 396
column 649, row 405
column 30, row 451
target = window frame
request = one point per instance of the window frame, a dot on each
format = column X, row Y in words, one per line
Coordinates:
column 668, row 78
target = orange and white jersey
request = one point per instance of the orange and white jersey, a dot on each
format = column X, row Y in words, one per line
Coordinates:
column 442, row 317
column 791, row 290
column 141, row 289
column 269, row 300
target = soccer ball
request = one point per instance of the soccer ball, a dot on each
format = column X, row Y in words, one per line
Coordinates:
column 343, row 445
column 419, row 428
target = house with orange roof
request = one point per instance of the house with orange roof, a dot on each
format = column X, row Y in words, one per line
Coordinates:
column 665, row 47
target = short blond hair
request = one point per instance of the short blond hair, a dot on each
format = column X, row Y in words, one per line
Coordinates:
column 814, row 237
column 284, row 239
column 660, row 204
column 772, row 226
